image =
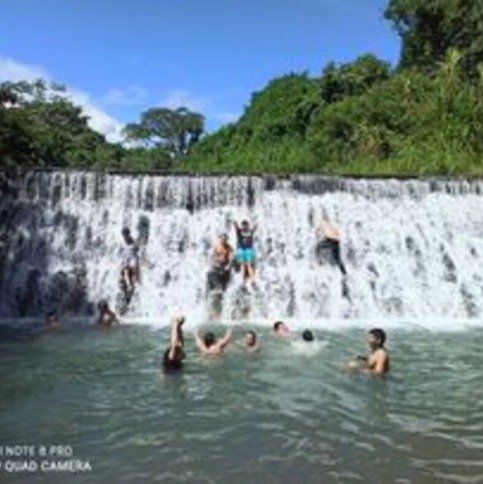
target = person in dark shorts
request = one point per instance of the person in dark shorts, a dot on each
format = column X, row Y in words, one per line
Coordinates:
column 221, row 259
column 328, row 245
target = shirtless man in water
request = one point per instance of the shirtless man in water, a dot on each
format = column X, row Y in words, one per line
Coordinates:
column 106, row 316
column 209, row 345
column 377, row 361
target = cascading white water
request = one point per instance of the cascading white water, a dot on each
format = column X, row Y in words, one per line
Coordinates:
column 412, row 249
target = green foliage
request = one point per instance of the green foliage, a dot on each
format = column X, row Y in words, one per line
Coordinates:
column 425, row 117
column 429, row 28
column 373, row 122
column 352, row 79
column 40, row 126
column 173, row 130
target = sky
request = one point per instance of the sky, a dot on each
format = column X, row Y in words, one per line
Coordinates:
column 119, row 57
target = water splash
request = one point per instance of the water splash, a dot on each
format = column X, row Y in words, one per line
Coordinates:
column 412, row 249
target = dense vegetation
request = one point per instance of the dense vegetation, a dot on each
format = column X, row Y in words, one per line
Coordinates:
column 364, row 117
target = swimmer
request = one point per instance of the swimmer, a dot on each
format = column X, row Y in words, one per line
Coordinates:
column 308, row 336
column 377, row 362
column 328, row 245
column 51, row 321
column 174, row 354
column 308, row 345
column 209, row 345
column 281, row 329
column 245, row 253
column 251, row 342
column 106, row 316
column 177, row 330
column 130, row 261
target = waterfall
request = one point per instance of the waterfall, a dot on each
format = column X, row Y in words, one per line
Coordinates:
column 412, row 248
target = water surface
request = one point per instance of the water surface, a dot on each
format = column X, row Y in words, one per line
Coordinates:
column 285, row 415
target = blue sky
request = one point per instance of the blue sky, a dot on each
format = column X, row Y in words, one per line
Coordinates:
column 118, row 57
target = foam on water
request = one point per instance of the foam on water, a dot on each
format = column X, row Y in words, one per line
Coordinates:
column 413, row 249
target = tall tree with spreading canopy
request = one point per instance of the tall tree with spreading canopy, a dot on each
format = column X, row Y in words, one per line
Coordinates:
column 174, row 130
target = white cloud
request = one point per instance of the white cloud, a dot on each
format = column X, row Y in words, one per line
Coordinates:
column 14, row 71
column 129, row 96
column 227, row 117
column 176, row 98
column 11, row 70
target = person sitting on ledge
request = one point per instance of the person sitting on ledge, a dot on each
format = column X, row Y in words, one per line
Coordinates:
column 209, row 345
column 106, row 316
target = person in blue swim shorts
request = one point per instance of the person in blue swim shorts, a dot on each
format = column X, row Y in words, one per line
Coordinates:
column 245, row 253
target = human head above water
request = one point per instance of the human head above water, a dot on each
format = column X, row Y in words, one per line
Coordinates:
column 209, row 339
column 280, row 327
column 125, row 232
column 308, row 336
column 224, row 237
column 376, row 338
column 250, row 338
column 245, row 224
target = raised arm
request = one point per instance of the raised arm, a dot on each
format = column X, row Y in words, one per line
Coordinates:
column 223, row 342
column 200, row 344
column 174, row 337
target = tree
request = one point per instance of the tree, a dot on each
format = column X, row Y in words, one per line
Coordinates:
column 429, row 28
column 39, row 125
column 175, row 130
column 352, row 79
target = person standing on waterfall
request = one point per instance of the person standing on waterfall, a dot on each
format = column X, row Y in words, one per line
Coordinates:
column 130, row 262
column 221, row 259
column 328, row 245
column 245, row 253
